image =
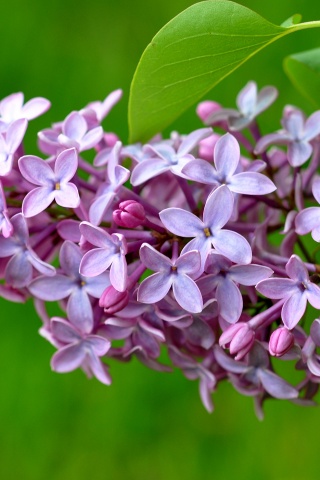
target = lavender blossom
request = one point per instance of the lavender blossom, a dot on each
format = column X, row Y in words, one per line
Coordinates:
column 250, row 103
column 226, row 160
column 297, row 134
column 208, row 233
column 53, row 184
column 12, row 109
column 297, row 290
column 79, row 350
column 10, row 143
column 308, row 220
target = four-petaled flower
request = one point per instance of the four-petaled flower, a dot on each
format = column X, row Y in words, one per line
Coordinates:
column 53, row 184
column 79, row 350
column 111, row 250
column 208, row 233
column 296, row 290
column 226, row 160
column 169, row 274
column 297, row 134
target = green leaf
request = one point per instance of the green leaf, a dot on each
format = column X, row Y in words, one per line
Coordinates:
column 303, row 69
column 191, row 54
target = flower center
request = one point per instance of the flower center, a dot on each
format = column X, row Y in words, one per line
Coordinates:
column 57, row 186
column 207, row 232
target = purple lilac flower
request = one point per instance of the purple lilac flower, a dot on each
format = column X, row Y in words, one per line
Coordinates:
column 111, row 251
column 95, row 112
column 5, row 225
column 12, row 109
column 208, row 233
column 297, row 134
column 169, row 274
column 53, row 184
column 226, row 160
column 257, row 372
column 79, row 350
column 73, row 285
column 18, row 272
column 9, row 144
column 309, row 353
column 308, row 220
column 223, row 278
column 195, row 370
column 116, row 176
column 73, row 133
column 297, row 290
column 250, row 103
column 165, row 158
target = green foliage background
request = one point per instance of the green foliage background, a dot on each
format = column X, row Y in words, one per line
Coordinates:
column 147, row 425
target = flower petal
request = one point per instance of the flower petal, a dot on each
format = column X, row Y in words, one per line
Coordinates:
column 95, row 262
column 67, row 196
column 187, row 293
column 51, row 288
column 154, row 260
column 147, row 169
column 68, row 358
column 79, row 310
column 154, row 288
column 181, row 222
column 249, row 274
column 276, row 386
column 233, row 246
column 307, row 220
column 118, row 273
column 37, row 200
column 218, row 208
column 276, row 287
column 201, row 171
column 251, row 183
column 293, row 309
column 226, row 155
column 229, row 300
column 36, row 170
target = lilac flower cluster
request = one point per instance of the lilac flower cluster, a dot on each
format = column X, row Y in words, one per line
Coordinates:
column 168, row 247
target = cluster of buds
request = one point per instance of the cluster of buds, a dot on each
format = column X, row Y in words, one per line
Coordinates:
column 169, row 245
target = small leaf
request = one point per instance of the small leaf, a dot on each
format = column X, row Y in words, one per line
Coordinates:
column 303, row 69
column 191, row 54
column 294, row 20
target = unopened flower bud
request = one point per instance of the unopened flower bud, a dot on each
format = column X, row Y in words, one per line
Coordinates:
column 206, row 147
column 130, row 214
column 206, row 109
column 239, row 338
column 113, row 301
column 280, row 342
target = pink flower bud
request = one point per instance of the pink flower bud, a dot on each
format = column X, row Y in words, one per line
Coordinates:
column 206, row 147
column 130, row 214
column 113, row 301
column 207, row 108
column 239, row 338
column 110, row 139
column 280, row 342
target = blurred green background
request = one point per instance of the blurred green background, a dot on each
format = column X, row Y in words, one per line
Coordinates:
column 147, row 425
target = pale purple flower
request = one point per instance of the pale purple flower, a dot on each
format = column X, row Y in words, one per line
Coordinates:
column 53, row 184
column 73, row 133
column 5, row 225
column 257, row 372
column 194, row 370
column 226, row 161
column 250, row 103
column 297, row 290
column 111, row 251
column 297, row 134
column 223, row 277
column 169, row 274
column 95, row 112
column 12, row 109
column 9, row 144
column 79, row 350
column 309, row 353
column 116, row 176
column 165, row 158
column 73, row 285
column 18, row 272
column 308, row 220
column 209, row 232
